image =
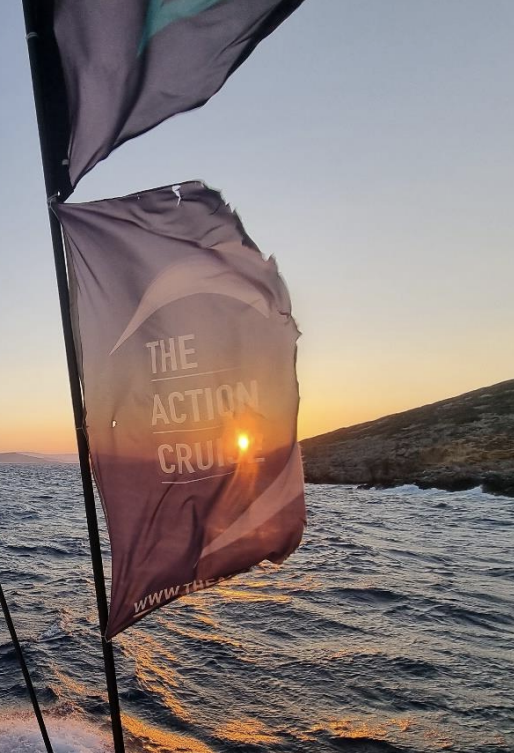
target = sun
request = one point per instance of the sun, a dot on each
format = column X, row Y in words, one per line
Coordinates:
column 243, row 442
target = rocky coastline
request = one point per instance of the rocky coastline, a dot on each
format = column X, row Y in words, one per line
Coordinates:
column 455, row 444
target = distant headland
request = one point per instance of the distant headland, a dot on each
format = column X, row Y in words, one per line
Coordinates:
column 455, row 444
column 36, row 458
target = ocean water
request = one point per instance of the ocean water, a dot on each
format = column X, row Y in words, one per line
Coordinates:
column 390, row 630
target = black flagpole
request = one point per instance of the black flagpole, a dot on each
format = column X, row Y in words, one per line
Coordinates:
column 52, row 119
column 25, row 671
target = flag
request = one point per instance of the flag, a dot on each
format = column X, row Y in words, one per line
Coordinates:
column 130, row 64
column 186, row 349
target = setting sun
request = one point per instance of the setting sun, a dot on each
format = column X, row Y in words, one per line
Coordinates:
column 243, row 442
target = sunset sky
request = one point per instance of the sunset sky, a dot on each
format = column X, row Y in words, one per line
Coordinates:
column 368, row 146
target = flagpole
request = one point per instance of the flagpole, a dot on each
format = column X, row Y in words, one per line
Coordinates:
column 25, row 671
column 38, row 31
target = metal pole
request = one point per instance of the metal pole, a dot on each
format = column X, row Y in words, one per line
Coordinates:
column 24, row 669
column 58, row 188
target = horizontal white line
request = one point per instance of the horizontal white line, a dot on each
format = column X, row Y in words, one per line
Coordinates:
column 194, row 480
column 181, row 431
column 197, row 373
column 145, row 611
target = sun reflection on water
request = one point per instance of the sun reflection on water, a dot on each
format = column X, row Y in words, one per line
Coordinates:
column 249, row 731
column 197, row 635
column 161, row 741
column 352, row 728
column 243, row 595
column 153, row 671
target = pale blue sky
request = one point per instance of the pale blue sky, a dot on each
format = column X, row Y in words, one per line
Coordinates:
column 369, row 145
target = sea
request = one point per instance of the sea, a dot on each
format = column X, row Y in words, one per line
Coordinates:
column 390, row 630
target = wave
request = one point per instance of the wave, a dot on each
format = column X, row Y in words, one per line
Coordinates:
column 19, row 733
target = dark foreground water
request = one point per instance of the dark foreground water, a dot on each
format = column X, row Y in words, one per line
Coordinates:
column 391, row 629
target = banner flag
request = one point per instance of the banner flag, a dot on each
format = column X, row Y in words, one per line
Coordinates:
column 130, row 64
column 187, row 349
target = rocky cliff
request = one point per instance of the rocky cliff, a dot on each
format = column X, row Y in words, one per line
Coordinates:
column 454, row 444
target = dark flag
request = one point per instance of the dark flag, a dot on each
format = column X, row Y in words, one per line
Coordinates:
column 187, row 350
column 130, row 64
